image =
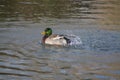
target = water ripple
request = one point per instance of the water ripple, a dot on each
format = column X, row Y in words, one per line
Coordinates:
column 95, row 56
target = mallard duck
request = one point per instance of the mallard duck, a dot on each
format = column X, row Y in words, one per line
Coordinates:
column 54, row 39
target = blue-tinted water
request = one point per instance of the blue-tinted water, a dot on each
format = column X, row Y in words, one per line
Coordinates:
column 93, row 55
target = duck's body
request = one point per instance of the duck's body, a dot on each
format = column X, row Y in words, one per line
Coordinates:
column 54, row 39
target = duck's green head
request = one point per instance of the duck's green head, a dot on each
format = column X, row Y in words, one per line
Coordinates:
column 47, row 32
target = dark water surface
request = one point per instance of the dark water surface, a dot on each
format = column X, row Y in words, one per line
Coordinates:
column 95, row 22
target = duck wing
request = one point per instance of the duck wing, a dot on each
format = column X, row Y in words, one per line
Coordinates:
column 58, row 37
column 62, row 37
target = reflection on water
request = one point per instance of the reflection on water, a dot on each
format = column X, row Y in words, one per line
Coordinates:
column 105, row 11
column 94, row 22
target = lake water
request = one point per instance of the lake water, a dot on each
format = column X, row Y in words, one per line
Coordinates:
column 96, row 23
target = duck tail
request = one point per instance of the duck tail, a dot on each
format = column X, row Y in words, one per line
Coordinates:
column 67, row 40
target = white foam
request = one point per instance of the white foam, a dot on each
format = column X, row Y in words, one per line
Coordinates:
column 75, row 40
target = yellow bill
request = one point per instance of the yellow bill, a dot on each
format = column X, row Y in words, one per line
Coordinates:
column 43, row 33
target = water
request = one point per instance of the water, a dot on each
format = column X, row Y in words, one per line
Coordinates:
column 94, row 23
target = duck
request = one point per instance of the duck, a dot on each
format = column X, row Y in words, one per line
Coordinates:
column 54, row 39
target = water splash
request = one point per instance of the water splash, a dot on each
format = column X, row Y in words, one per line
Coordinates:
column 75, row 40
